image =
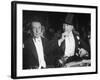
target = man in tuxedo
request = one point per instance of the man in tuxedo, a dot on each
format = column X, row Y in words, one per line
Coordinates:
column 34, row 51
column 73, row 48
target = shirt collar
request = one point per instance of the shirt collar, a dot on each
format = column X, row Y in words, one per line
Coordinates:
column 37, row 39
column 70, row 34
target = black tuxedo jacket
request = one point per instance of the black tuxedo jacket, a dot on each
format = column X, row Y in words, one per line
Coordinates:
column 79, row 43
column 58, row 51
column 30, row 57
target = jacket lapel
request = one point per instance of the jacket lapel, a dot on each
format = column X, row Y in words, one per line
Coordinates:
column 76, row 41
column 44, row 45
column 63, row 46
column 34, row 51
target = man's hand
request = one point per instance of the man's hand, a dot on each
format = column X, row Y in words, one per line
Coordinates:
column 63, row 60
column 63, row 37
column 83, row 52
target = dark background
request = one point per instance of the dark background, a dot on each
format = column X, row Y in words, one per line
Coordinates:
column 53, row 23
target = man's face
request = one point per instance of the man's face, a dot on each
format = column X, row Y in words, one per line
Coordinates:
column 36, row 28
column 67, row 27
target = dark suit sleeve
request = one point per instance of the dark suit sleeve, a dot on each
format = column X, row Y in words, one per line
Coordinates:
column 54, row 52
column 81, row 43
column 29, row 59
column 25, row 63
column 84, row 45
column 26, row 55
column 54, row 47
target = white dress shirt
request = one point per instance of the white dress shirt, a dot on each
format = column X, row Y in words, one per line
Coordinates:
column 40, row 52
column 69, row 45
